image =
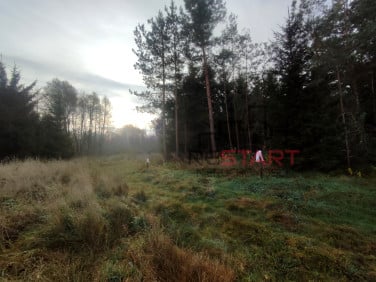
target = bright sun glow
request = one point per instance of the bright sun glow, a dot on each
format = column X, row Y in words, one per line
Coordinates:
column 124, row 112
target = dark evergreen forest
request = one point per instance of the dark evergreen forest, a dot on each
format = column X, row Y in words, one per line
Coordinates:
column 53, row 122
column 311, row 89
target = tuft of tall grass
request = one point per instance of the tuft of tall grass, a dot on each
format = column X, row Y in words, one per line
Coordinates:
column 107, row 186
column 54, row 207
column 115, row 271
column 161, row 260
column 25, row 178
column 120, row 218
column 14, row 224
column 72, row 231
column 140, row 197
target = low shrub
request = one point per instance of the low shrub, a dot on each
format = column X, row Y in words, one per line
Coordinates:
column 68, row 230
column 140, row 197
column 161, row 260
column 119, row 218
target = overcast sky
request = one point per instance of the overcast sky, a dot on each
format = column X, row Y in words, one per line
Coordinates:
column 89, row 42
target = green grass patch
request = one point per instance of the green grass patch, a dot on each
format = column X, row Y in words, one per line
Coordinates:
column 113, row 219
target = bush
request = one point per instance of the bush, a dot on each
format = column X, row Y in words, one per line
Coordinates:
column 139, row 224
column 106, row 187
column 75, row 232
column 120, row 218
column 164, row 261
column 140, row 197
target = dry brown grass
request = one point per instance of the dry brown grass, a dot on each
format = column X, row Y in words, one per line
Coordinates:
column 72, row 215
column 33, row 192
column 159, row 259
column 33, row 180
column 56, row 207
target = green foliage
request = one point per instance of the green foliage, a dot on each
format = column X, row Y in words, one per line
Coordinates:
column 61, row 100
column 120, row 218
column 139, row 224
column 74, row 232
column 317, row 96
column 60, row 130
column 18, row 118
column 204, row 15
column 54, row 142
column 140, row 197
column 362, row 17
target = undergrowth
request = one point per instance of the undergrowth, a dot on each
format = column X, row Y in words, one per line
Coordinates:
column 113, row 219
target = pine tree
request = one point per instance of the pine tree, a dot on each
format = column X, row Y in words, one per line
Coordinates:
column 226, row 61
column 61, row 100
column 152, row 50
column 292, row 55
column 340, row 43
column 178, row 40
column 18, row 118
column 204, row 17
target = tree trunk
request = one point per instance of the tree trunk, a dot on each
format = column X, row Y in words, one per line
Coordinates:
column 237, row 135
column 359, row 120
column 176, row 123
column 164, row 145
column 227, row 117
column 210, row 108
column 373, row 96
column 265, row 121
column 90, row 139
column 247, row 117
column 176, row 106
column 81, row 132
column 343, row 119
column 356, row 95
column 185, row 139
column 236, row 128
column 246, row 102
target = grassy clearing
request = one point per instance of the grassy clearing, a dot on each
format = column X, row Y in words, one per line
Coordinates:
column 112, row 219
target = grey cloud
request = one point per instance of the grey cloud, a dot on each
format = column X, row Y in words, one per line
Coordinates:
column 262, row 17
column 45, row 72
column 45, row 37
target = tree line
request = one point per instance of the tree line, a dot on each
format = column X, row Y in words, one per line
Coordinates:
column 312, row 88
column 57, row 121
column 54, row 122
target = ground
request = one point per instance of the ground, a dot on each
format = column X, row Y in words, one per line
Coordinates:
column 114, row 219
